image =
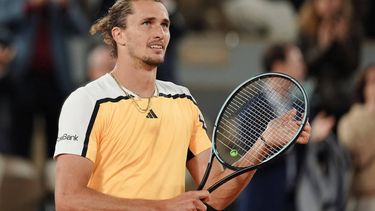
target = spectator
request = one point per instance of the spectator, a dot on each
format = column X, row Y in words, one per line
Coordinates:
column 330, row 41
column 356, row 131
column 99, row 62
column 324, row 175
column 41, row 73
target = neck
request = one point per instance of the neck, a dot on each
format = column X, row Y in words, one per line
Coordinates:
column 140, row 79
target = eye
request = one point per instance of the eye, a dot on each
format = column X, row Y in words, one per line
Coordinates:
column 146, row 23
column 165, row 25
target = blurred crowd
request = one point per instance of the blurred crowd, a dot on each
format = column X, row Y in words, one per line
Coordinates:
column 317, row 41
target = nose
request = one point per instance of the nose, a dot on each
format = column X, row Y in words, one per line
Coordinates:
column 159, row 32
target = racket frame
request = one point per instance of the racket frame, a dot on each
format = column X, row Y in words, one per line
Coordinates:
column 241, row 170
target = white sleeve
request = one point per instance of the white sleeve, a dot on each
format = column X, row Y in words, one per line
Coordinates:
column 74, row 124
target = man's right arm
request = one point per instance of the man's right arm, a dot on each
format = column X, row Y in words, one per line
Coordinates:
column 71, row 192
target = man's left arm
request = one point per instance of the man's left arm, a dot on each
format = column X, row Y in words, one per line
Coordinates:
column 225, row 194
column 228, row 192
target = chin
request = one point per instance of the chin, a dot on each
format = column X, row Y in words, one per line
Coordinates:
column 154, row 61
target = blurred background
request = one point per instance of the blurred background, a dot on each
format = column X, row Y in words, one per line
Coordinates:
column 46, row 52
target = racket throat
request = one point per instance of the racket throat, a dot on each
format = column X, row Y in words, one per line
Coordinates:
column 206, row 173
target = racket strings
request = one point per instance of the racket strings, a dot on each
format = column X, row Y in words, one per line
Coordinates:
column 262, row 154
column 262, row 105
column 269, row 114
column 238, row 140
column 282, row 84
column 236, row 130
column 243, row 146
column 274, row 93
column 276, row 103
column 242, row 155
column 293, row 94
column 246, row 137
column 251, row 120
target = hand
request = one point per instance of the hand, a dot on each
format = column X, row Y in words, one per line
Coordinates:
column 281, row 130
column 192, row 200
column 304, row 137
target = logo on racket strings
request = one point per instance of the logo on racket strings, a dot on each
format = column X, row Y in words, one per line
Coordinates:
column 233, row 153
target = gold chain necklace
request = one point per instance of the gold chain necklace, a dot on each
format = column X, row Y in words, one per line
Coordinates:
column 139, row 108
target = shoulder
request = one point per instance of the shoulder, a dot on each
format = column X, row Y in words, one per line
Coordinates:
column 170, row 89
column 166, row 87
column 101, row 89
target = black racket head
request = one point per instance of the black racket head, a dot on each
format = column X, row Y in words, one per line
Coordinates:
column 253, row 106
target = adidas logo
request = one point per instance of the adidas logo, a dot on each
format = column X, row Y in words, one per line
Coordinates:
column 151, row 115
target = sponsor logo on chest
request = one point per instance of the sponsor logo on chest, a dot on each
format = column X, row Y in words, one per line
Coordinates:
column 68, row 137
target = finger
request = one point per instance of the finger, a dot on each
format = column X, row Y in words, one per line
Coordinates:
column 201, row 194
column 303, row 138
column 205, row 199
column 307, row 128
column 199, row 205
column 289, row 115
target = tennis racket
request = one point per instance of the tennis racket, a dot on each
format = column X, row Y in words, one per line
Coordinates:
column 259, row 120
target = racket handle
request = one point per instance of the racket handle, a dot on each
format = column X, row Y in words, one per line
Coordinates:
column 205, row 176
column 206, row 173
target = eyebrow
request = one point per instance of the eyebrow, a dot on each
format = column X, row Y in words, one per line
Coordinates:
column 165, row 20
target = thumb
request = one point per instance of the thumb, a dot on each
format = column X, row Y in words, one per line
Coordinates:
column 203, row 195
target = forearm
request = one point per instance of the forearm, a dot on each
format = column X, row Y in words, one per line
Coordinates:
column 229, row 191
column 88, row 199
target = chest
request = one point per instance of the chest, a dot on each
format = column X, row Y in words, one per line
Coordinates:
column 167, row 126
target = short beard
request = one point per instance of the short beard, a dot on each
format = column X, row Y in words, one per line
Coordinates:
column 153, row 62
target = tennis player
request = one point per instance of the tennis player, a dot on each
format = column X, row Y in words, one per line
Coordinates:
column 125, row 139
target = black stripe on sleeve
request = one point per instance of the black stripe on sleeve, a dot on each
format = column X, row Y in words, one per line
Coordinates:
column 190, row 155
column 89, row 129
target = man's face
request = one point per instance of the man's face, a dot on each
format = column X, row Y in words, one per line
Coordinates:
column 146, row 36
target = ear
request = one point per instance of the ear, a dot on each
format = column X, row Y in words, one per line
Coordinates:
column 117, row 35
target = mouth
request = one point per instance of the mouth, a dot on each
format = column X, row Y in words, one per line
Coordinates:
column 157, row 46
